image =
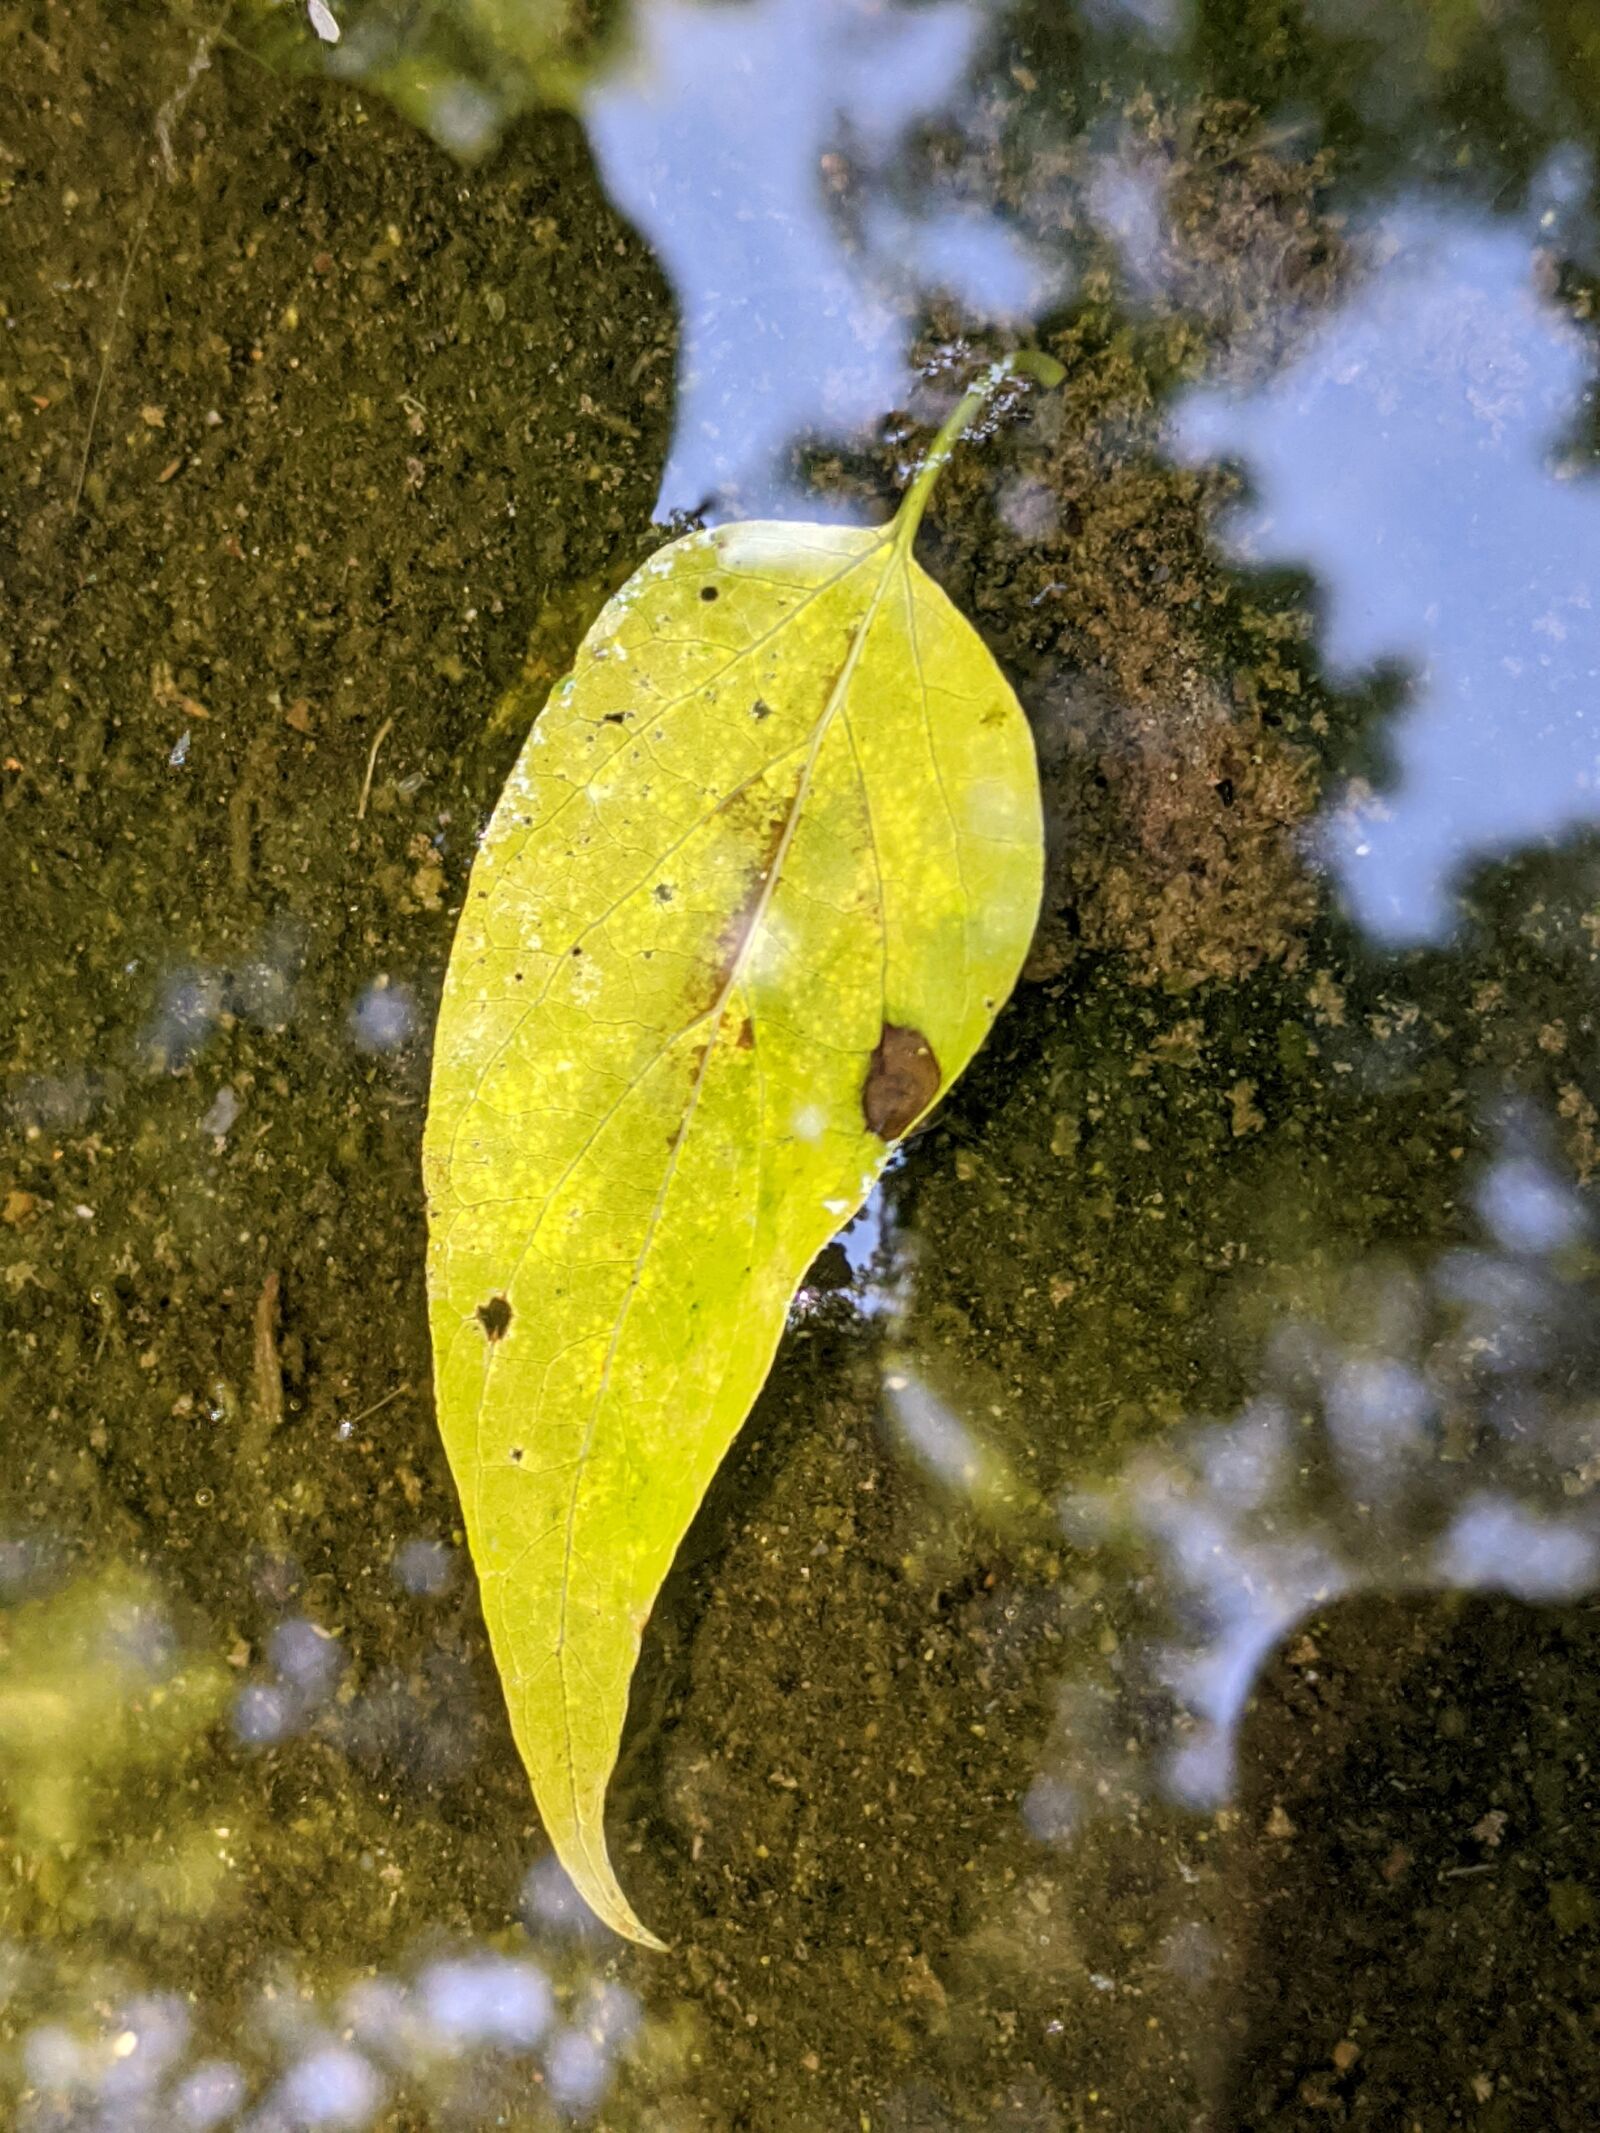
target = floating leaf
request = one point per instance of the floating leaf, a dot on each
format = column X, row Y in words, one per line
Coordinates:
column 764, row 871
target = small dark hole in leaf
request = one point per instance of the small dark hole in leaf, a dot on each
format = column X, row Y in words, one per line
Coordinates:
column 615, row 718
column 708, row 592
column 577, row 951
column 759, row 709
column 516, row 1455
column 519, row 977
column 663, row 892
column 495, row 1318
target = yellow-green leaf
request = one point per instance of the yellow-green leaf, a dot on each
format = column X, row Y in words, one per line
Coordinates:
column 764, row 871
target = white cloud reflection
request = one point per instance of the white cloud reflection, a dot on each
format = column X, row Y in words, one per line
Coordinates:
column 438, row 2042
column 1448, row 1439
column 1443, row 1461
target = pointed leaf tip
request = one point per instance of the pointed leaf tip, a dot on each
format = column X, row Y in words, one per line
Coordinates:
column 597, row 1884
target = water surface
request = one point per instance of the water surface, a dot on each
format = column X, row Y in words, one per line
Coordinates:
column 1136, row 1669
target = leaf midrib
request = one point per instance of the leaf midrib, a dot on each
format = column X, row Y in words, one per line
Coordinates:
column 817, row 592
column 837, row 696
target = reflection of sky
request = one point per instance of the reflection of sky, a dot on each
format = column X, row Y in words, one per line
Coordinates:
column 711, row 138
column 1406, row 459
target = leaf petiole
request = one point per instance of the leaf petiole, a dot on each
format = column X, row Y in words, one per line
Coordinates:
column 1023, row 363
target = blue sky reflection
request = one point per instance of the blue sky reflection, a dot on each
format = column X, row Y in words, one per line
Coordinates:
column 712, row 137
column 1412, row 457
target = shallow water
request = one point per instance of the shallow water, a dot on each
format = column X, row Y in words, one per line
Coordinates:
column 1137, row 1668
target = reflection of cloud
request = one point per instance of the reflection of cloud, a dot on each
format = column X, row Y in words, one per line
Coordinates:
column 1162, row 20
column 487, row 2000
column 124, row 2067
column 711, row 138
column 576, row 2072
column 193, row 999
column 1498, row 1546
column 1527, row 1208
column 332, row 2087
column 422, row 1567
column 207, row 2096
column 306, row 1665
column 550, row 1902
column 1378, row 1411
column 1451, row 1449
column 384, row 1016
column 431, row 2046
column 225, row 1107
column 1051, row 1808
column 933, row 1432
column 1125, row 199
column 1405, row 459
column 1236, row 1585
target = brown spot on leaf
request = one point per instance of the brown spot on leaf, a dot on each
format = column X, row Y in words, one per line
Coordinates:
column 495, row 1318
column 747, row 1035
column 902, row 1080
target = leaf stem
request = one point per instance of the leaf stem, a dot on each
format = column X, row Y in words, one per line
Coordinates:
column 1024, row 363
